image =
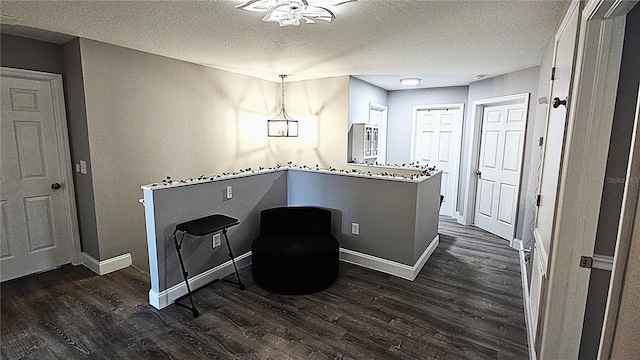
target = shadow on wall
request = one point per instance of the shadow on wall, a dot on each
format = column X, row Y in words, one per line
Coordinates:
column 318, row 110
column 199, row 253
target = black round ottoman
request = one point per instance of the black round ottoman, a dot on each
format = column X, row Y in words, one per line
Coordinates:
column 295, row 259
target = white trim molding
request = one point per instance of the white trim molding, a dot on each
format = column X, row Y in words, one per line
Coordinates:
column 169, row 296
column 387, row 266
column 516, row 244
column 541, row 250
column 106, row 266
column 526, row 298
column 602, row 262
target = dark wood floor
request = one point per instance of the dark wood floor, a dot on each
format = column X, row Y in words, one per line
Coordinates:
column 465, row 304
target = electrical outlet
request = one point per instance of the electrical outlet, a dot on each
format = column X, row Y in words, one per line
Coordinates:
column 229, row 192
column 355, row 229
column 216, row 240
column 83, row 166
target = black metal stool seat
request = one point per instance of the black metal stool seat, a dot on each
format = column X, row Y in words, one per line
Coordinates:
column 209, row 225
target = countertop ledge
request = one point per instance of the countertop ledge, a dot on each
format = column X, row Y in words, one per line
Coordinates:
column 343, row 172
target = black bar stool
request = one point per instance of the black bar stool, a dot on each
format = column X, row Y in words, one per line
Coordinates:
column 209, row 225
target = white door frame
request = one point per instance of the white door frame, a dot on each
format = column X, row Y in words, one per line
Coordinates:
column 628, row 221
column 586, row 147
column 382, row 127
column 473, row 152
column 414, row 125
column 64, row 152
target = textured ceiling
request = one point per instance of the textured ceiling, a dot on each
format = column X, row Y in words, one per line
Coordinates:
column 446, row 43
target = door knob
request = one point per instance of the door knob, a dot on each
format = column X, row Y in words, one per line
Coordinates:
column 557, row 102
column 478, row 172
column 56, row 186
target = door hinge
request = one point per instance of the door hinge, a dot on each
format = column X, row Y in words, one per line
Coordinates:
column 540, row 141
column 553, row 73
column 538, row 198
column 586, row 262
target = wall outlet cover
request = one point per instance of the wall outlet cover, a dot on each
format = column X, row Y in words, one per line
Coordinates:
column 216, row 240
column 355, row 229
column 229, row 192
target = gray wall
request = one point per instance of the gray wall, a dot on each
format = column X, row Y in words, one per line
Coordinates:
column 523, row 81
column 173, row 205
column 613, row 189
column 150, row 116
column 79, row 140
column 402, row 227
column 401, row 103
column 389, row 212
column 28, row 54
column 21, row 53
column 427, row 214
column 361, row 93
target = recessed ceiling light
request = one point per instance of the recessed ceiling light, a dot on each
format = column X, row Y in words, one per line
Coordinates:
column 480, row 77
column 410, row 81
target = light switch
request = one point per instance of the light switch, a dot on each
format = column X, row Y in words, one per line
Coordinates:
column 229, row 192
column 83, row 166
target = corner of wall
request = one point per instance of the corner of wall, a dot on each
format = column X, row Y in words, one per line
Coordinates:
column 79, row 141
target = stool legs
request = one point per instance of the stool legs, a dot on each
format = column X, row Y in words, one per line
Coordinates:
column 185, row 274
column 240, row 284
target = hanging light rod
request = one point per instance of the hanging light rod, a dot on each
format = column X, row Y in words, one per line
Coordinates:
column 282, row 125
column 293, row 12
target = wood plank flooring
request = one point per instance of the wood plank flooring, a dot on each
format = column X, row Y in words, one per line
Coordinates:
column 465, row 304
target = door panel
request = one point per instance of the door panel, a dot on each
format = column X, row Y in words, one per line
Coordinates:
column 35, row 231
column 486, row 197
column 437, row 143
column 501, row 150
column 491, row 149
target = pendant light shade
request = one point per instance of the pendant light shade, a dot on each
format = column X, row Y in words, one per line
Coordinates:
column 282, row 125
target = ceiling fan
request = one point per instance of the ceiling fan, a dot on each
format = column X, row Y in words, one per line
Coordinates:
column 293, row 12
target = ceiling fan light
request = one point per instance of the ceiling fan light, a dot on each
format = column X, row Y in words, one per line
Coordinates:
column 291, row 12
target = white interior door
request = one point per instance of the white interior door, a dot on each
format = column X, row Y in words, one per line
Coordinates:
column 499, row 168
column 437, row 142
column 554, row 133
column 34, row 225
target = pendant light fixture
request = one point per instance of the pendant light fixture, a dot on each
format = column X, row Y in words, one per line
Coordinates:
column 282, row 125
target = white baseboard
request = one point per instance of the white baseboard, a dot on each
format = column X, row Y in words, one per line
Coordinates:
column 106, row 266
column 526, row 299
column 388, row 266
column 516, row 244
column 169, row 296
